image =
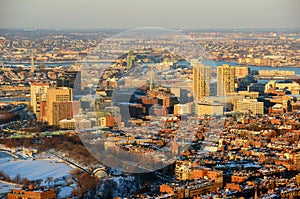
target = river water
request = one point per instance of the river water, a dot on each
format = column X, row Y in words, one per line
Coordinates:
column 214, row 65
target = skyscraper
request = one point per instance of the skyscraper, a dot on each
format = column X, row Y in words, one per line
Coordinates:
column 37, row 95
column 55, row 95
column 32, row 64
column 225, row 76
column 71, row 79
column 201, row 80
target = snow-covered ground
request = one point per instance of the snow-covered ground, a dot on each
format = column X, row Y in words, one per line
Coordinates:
column 120, row 186
column 65, row 192
column 6, row 187
column 35, row 169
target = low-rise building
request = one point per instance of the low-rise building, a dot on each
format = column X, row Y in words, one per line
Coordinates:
column 36, row 194
column 206, row 108
column 250, row 106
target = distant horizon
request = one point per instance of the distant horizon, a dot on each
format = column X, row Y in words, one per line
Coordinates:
column 130, row 28
column 128, row 14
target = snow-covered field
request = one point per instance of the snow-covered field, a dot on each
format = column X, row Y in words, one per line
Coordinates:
column 35, row 169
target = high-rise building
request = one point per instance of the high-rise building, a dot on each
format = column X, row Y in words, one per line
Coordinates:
column 54, row 95
column 201, row 80
column 70, row 79
column 32, row 64
column 37, row 96
column 225, row 76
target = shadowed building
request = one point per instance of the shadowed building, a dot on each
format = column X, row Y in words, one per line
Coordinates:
column 70, row 79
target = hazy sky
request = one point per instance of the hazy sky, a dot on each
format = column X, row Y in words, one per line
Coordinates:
column 145, row 13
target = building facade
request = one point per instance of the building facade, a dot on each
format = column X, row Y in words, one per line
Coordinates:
column 54, row 96
column 16, row 194
column 225, row 76
column 37, row 96
column 250, row 106
column 201, row 80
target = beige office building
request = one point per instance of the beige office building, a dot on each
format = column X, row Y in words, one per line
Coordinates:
column 250, row 94
column 61, row 94
column 37, row 95
column 207, row 108
column 293, row 86
column 249, row 106
column 183, row 109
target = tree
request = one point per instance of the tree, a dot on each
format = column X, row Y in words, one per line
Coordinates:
column 86, row 184
column 25, row 182
column 49, row 180
column 17, row 179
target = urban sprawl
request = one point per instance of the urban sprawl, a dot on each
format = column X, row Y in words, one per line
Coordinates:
column 86, row 114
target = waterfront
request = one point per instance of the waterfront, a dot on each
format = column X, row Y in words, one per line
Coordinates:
column 213, row 64
column 254, row 144
column 296, row 69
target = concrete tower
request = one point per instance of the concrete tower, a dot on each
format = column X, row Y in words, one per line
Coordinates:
column 37, row 97
column 201, row 80
column 226, row 76
column 32, row 64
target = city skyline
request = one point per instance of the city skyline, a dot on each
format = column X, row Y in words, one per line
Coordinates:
column 151, row 123
column 93, row 14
